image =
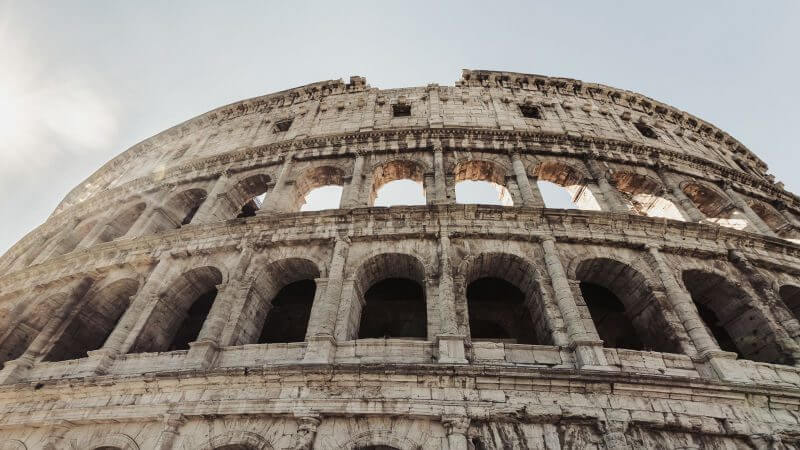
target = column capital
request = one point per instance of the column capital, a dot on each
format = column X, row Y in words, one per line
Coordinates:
column 455, row 424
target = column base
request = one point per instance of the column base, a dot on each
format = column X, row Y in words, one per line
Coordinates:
column 101, row 360
column 451, row 349
column 201, row 355
column 725, row 366
column 320, row 350
column 589, row 354
column 16, row 370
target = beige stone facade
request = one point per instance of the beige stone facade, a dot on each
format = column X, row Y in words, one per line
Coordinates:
column 164, row 306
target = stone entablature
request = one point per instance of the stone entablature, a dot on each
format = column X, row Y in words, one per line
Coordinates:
column 188, row 304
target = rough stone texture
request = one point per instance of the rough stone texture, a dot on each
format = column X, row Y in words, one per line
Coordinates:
column 684, row 236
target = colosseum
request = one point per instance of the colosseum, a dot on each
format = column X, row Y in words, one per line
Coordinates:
column 185, row 297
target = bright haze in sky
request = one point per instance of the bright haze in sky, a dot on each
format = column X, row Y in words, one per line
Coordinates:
column 82, row 81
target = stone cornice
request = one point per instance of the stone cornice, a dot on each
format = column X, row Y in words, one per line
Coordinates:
column 525, row 224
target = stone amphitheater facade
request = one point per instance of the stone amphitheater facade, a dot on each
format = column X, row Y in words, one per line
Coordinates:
column 163, row 306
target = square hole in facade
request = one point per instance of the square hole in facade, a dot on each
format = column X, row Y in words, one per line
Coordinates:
column 283, row 125
column 530, row 111
column 403, row 110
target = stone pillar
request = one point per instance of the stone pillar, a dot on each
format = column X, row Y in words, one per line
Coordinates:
column 169, row 433
column 322, row 323
column 451, row 343
column 350, row 193
column 439, row 194
column 689, row 209
column 784, row 210
column 530, row 197
column 56, row 435
column 207, row 212
column 92, row 237
column 773, row 300
column 307, row 424
column 276, row 200
column 612, row 200
column 17, row 369
column 614, row 434
column 204, row 350
column 756, row 220
column 456, row 428
column 682, row 303
column 588, row 350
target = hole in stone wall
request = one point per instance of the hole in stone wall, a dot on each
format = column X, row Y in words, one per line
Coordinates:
column 481, row 182
column 645, row 195
column 120, row 224
column 394, row 308
column 568, row 178
column 497, row 312
column 774, row 220
column 401, row 110
column 321, row 198
column 250, row 193
column 791, row 297
column 745, row 329
column 717, row 208
column 530, row 111
column 95, row 321
column 251, row 207
column 283, row 125
column 608, row 315
column 397, row 183
column 646, row 131
column 193, row 322
column 287, row 319
column 624, row 307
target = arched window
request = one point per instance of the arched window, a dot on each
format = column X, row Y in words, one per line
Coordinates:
column 95, row 321
column 645, row 196
column 504, row 301
column 182, row 309
column 398, row 182
column 279, row 302
column 120, row 224
column 726, row 311
column 390, row 287
column 66, row 243
column 790, row 295
column 557, row 179
column 319, row 188
column 481, row 182
column 17, row 339
column 716, row 207
column 249, row 194
column 623, row 307
column 774, row 220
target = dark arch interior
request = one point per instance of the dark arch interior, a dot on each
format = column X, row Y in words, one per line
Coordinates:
column 395, row 308
column 193, row 322
column 608, row 315
column 791, row 297
column 497, row 311
column 726, row 311
column 287, row 320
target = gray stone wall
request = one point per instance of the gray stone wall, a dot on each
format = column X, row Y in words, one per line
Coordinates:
column 91, row 299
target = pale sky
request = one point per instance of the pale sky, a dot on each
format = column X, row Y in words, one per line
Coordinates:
column 82, row 81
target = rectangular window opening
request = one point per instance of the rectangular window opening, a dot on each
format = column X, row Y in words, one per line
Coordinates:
column 401, row 110
column 283, row 125
column 530, row 111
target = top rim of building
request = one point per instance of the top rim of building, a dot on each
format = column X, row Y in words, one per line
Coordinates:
column 651, row 113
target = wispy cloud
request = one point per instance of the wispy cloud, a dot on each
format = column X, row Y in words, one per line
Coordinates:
column 46, row 113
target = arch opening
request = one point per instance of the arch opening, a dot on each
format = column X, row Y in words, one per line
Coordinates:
column 624, row 307
column 774, row 220
column 389, row 290
column 319, row 188
column 394, row 308
column 184, row 205
column 181, row 311
column 250, row 193
column 555, row 179
column 96, row 319
column 790, row 295
column 72, row 239
column 119, row 225
column 717, row 208
column 645, row 196
column 287, row 320
column 398, row 183
column 729, row 318
column 497, row 312
column 18, row 338
column 481, row 182
column 504, row 301
column 279, row 302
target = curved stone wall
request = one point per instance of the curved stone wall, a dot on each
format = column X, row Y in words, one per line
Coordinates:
column 179, row 298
